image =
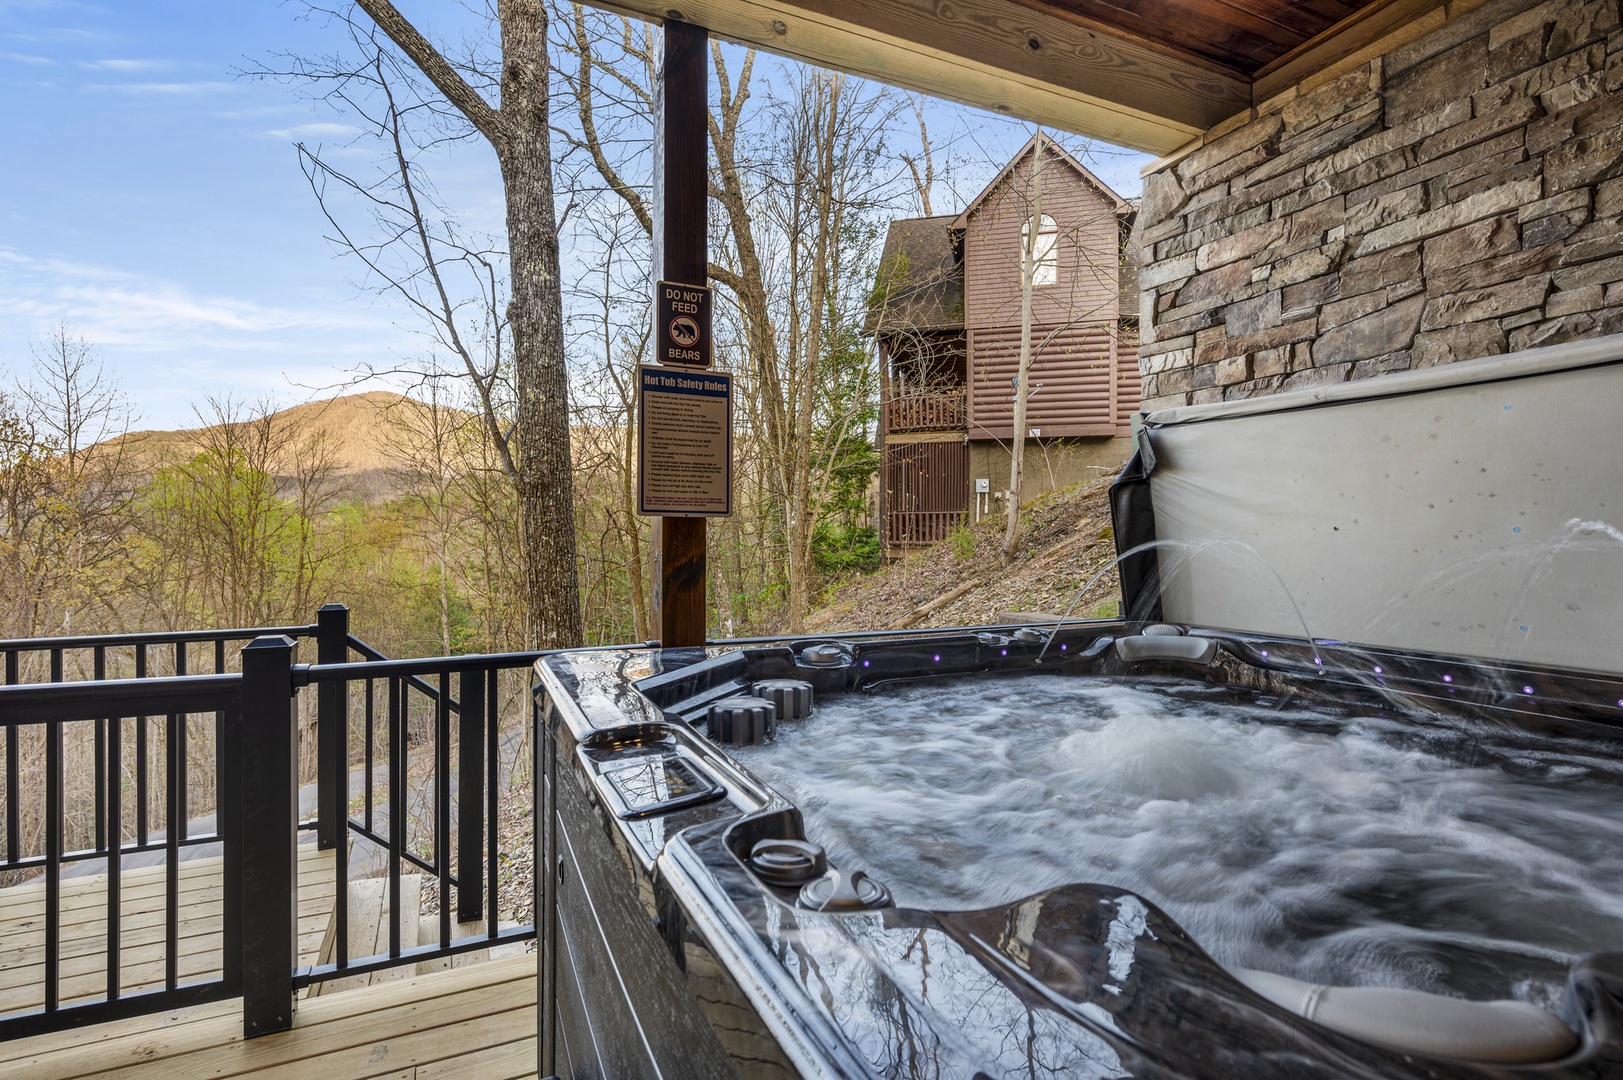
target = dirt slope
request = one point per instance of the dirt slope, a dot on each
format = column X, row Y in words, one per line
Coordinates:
column 1067, row 540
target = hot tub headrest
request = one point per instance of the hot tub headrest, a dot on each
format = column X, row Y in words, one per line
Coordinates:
column 1496, row 1032
column 1162, row 642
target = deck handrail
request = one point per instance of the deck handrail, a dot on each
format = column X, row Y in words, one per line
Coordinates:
column 256, row 736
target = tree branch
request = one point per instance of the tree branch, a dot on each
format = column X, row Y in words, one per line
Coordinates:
column 455, row 88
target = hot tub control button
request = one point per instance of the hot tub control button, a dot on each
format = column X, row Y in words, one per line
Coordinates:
column 788, row 863
column 744, row 720
column 844, row 890
column 793, row 697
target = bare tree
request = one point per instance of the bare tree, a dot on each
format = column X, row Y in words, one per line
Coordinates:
column 1030, row 237
column 923, row 182
column 516, row 127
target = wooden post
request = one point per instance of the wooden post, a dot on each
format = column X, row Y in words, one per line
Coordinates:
column 681, row 192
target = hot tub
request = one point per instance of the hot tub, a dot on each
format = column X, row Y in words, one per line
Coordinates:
column 696, row 921
column 1210, row 840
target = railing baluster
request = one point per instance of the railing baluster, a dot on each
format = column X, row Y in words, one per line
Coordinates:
column 141, row 831
column 173, row 743
column 442, row 803
column 493, row 792
column 13, row 779
column 397, row 812
column 371, row 719
column 98, row 672
column 341, row 847
column 53, row 864
column 470, row 794
column 183, row 815
column 115, row 854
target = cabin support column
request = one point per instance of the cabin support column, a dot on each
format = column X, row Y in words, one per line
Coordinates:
column 681, row 192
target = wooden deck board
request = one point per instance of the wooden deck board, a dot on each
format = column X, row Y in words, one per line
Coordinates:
column 143, row 927
column 474, row 1021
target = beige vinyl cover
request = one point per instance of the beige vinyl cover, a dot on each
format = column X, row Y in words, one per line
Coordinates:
column 1474, row 509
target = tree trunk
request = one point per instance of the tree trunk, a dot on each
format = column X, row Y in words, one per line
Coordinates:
column 519, row 134
column 1028, row 274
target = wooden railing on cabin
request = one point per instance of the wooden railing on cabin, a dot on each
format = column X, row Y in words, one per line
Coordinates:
column 941, row 411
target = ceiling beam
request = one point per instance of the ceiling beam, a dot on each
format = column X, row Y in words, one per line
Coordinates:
column 987, row 53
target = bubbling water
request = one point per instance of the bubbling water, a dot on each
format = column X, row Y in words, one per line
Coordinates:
column 1312, row 841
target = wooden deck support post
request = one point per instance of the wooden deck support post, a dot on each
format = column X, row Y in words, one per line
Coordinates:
column 681, row 194
column 269, row 823
column 332, row 727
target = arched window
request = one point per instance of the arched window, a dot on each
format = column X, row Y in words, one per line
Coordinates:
column 1045, row 251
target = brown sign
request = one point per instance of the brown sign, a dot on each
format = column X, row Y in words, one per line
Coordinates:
column 684, row 442
column 682, row 324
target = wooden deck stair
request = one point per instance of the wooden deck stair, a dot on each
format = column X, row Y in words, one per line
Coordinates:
column 83, row 938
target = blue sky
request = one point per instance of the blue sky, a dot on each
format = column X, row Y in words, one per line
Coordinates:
column 151, row 200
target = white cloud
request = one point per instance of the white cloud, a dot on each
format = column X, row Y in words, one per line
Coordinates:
column 314, row 131
column 126, row 67
column 172, row 345
column 135, row 311
column 168, row 89
column 24, row 58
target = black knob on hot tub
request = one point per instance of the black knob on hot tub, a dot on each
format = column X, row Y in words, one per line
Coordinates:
column 793, row 697
column 844, row 890
column 743, row 720
column 790, row 863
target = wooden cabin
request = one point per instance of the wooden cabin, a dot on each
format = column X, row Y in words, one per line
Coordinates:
column 946, row 316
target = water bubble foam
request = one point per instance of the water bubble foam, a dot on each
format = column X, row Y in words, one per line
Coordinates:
column 1321, row 844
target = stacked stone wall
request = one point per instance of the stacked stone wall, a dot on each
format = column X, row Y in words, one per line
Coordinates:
column 1459, row 196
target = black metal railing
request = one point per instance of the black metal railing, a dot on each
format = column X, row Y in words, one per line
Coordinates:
column 99, row 658
column 65, row 999
column 461, row 736
column 419, row 723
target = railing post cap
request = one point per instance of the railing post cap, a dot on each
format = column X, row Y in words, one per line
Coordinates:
column 332, row 607
column 270, row 641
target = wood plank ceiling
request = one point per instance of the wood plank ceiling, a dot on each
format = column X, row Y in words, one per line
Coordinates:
column 1147, row 74
column 1242, row 36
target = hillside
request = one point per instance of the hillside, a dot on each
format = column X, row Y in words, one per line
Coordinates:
column 354, row 428
column 1068, row 539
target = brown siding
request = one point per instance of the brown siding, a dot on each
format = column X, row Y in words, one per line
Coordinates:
column 1089, row 252
column 1078, row 368
column 1075, row 320
column 1128, row 384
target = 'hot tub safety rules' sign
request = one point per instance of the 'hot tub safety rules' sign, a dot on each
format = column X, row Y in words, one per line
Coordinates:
column 684, row 442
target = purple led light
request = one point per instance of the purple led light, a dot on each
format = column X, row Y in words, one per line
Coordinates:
column 1378, row 670
column 1005, row 652
column 1527, row 689
column 1062, row 649
column 938, row 658
column 1316, row 660
column 865, row 663
column 1448, row 678
column 1265, row 652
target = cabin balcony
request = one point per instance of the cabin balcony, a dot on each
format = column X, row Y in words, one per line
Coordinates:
column 945, row 410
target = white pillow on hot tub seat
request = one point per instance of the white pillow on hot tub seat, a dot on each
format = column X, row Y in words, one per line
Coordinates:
column 1492, row 1032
